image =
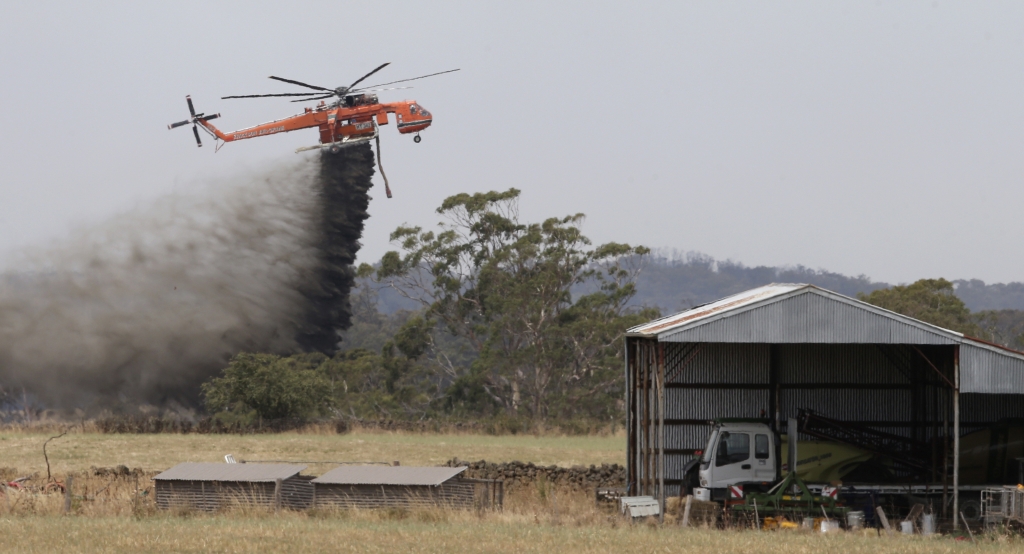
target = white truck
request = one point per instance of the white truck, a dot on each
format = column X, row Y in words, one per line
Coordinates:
column 844, row 467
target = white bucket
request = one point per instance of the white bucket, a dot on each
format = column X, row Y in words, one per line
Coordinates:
column 928, row 524
column 907, row 527
column 855, row 520
column 830, row 526
column 702, row 494
column 808, row 523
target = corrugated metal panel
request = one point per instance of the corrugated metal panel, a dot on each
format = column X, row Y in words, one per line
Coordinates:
column 389, row 475
column 454, row 494
column 716, row 363
column 836, row 363
column 848, row 404
column 811, row 316
column 297, row 493
column 990, row 407
column 690, row 436
column 988, row 370
column 703, row 312
column 192, row 471
column 708, row 404
column 209, row 497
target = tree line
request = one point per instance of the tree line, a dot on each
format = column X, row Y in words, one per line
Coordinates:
column 507, row 319
column 513, row 319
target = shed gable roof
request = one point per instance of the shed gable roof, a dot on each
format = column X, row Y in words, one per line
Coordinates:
column 793, row 313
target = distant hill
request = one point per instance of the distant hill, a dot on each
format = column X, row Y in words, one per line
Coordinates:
column 997, row 296
column 676, row 281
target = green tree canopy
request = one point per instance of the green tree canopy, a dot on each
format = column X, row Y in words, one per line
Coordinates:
column 270, row 387
column 543, row 309
column 930, row 300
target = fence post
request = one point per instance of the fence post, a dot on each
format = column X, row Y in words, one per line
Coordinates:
column 883, row 519
column 67, row 494
column 686, row 510
column 277, row 494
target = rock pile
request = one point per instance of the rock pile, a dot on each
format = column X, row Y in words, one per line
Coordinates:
column 517, row 474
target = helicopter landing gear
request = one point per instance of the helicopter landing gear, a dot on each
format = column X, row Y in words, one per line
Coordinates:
column 416, row 138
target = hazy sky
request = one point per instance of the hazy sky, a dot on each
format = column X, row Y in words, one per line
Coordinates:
column 861, row 137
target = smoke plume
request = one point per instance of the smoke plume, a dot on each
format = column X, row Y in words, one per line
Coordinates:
column 150, row 304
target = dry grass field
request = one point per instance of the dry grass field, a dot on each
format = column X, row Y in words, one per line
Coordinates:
column 430, row 532
column 110, row 514
column 77, row 451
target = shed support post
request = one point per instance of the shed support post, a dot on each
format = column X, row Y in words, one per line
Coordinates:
column 956, row 436
column 945, row 460
column 629, row 414
column 661, row 432
column 277, row 494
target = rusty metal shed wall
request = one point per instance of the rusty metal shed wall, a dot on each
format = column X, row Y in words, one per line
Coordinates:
column 809, row 316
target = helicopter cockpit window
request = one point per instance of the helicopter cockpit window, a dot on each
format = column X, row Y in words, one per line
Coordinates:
column 413, row 109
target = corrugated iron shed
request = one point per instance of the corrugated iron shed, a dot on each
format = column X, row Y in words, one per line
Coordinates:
column 388, row 475
column 804, row 314
column 251, row 473
column 773, row 351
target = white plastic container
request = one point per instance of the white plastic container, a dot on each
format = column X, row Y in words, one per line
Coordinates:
column 855, row 520
column 808, row 523
column 907, row 527
column 702, row 494
column 928, row 524
column 830, row 526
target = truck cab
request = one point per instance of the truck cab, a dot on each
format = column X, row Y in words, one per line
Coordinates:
column 739, row 453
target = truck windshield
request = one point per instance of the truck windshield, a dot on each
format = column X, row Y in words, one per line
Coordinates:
column 710, row 450
column 732, row 448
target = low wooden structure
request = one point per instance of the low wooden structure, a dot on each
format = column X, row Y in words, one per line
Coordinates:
column 216, row 486
column 401, row 487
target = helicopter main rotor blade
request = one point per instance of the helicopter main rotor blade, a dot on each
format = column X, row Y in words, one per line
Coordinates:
column 209, row 117
column 269, row 95
column 362, row 91
column 178, row 124
column 196, row 133
column 404, row 80
column 191, row 110
column 301, row 84
column 316, row 98
column 367, row 75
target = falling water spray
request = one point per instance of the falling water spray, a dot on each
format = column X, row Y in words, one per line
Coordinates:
column 150, row 304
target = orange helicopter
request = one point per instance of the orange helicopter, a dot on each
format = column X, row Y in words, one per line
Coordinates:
column 354, row 118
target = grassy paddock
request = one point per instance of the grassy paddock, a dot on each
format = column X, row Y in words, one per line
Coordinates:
column 21, row 450
column 117, row 513
column 532, row 521
column 427, row 532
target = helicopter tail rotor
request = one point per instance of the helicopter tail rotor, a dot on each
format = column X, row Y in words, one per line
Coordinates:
column 196, row 118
